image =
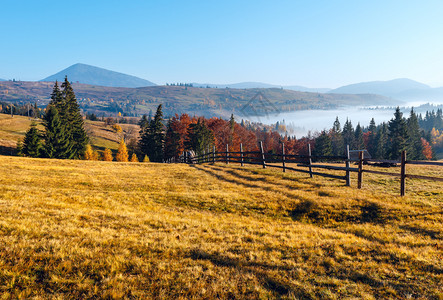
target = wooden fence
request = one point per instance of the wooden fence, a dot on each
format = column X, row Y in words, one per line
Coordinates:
column 305, row 163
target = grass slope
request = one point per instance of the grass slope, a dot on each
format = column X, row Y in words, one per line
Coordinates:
column 101, row 136
column 83, row 229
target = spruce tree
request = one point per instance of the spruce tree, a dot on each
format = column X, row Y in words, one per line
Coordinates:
column 381, row 139
column 398, row 135
column 32, row 145
column 371, row 138
column 152, row 138
column 349, row 135
column 359, row 141
column 74, row 121
column 56, row 140
column 414, row 143
column 199, row 138
column 338, row 147
column 323, row 145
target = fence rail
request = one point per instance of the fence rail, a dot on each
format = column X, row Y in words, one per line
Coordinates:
column 306, row 161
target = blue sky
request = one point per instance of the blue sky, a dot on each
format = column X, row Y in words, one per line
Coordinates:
column 311, row 43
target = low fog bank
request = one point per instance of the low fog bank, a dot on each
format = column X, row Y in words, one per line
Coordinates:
column 301, row 123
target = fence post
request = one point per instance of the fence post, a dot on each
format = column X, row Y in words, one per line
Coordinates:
column 348, row 173
column 185, row 158
column 262, row 155
column 241, row 154
column 360, row 168
column 403, row 173
column 310, row 160
column 213, row 154
column 283, row 156
column 227, row 153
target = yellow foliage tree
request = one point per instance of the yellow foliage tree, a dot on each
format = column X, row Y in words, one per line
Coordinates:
column 117, row 128
column 146, row 159
column 107, row 155
column 89, row 153
column 134, row 158
column 122, row 154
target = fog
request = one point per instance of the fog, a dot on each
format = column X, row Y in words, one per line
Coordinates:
column 300, row 123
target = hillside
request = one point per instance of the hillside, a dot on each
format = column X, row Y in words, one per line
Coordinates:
column 101, row 136
column 178, row 99
column 387, row 88
column 87, row 74
column 82, row 229
column 255, row 85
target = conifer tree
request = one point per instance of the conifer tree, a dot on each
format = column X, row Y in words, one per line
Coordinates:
column 122, row 153
column 338, row 147
column 32, row 143
column 349, row 135
column 414, row 143
column 56, row 141
column 74, row 121
column 397, row 135
column 146, row 159
column 107, row 155
column 371, row 138
column 359, row 142
column 199, row 138
column 381, row 140
column 152, row 138
column 323, row 145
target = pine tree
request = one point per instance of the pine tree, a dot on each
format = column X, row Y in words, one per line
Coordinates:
column 349, row 135
column 199, row 138
column 398, row 135
column 414, row 143
column 107, row 155
column 371, row 138
column 337, row 138
column 381, row 139
column 152, row 138
column 323, row 145
column 56, row 140
column 359, row 142
column 146, row 159
column 74, row 121
column 122, row 153
column 32, row 145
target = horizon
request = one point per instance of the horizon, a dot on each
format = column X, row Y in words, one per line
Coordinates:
column 321, row 45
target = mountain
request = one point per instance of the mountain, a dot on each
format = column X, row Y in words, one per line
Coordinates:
column 87, row 74
column 261, row 85
column 2, row 79
column 389, row 88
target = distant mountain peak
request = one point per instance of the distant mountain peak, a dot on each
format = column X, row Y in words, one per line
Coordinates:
column 88, row 74
column 388, row 88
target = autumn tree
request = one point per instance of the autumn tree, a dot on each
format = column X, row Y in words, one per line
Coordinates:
column 134, row 158
column 107, row 155
column 122, row 152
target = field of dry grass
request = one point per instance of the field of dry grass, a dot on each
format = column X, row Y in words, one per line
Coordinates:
column 85, row 229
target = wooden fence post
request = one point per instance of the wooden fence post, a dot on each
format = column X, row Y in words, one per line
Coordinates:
column 403, row 173
column 283, row 156
column 227, row 153
column 262, row 155
column 310, row 160
column 213, row 154
column 185, row 157
column 241, row 154
column 360, row 168
column 348, row 165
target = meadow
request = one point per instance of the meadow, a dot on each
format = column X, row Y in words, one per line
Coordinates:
column 88, row 229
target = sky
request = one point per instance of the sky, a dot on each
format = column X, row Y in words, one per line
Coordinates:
column 310, row 43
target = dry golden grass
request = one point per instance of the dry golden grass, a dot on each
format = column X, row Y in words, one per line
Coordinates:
column 85, row 229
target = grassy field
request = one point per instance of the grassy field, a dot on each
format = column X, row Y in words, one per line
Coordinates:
column 84, row 229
